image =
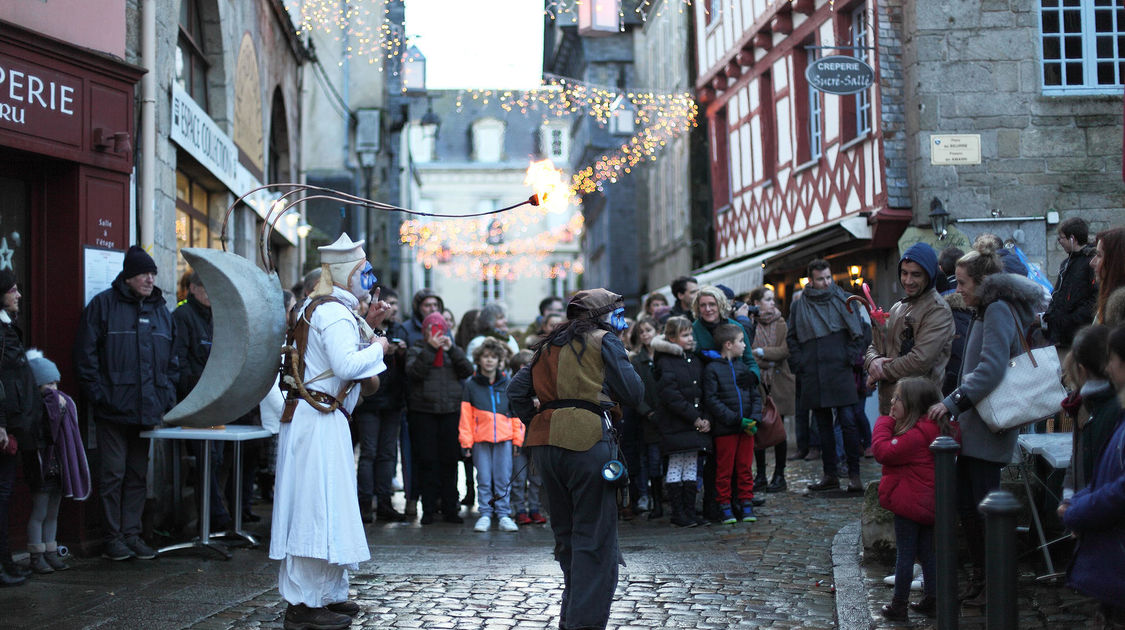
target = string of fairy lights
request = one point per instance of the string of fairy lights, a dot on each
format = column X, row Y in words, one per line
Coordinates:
column 657, row 118
column 366, row 31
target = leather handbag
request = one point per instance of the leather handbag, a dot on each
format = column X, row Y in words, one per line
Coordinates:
column 1031, row 389
column 771, row 428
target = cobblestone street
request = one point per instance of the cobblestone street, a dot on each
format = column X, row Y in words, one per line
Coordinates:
column 775, row 573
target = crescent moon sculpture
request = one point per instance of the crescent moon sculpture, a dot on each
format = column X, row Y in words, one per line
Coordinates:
column 249, row 329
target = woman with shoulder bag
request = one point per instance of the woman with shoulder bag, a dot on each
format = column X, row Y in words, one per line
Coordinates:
column 1002, row 301
column 778, row 383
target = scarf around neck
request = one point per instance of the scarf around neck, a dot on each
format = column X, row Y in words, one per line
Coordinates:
column 821, row 312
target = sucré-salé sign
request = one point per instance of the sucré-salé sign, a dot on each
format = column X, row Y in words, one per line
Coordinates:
column 840, row 74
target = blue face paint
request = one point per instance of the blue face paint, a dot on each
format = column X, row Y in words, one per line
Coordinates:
column 617, row 320
column 367, row 277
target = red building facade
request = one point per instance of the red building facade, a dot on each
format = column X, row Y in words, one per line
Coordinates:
column 796, row 173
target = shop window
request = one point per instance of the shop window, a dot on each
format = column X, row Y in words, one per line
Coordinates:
column 194, row 227
column 191, row 53
column 1083, row 46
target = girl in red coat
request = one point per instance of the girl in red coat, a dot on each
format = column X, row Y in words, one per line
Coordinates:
column 901, row 442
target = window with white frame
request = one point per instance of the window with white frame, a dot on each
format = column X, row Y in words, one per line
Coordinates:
column 1083, row 46
column 862, row 98
column 488, row 140
column 491, row 289
column 554, row 142
column 815, row 112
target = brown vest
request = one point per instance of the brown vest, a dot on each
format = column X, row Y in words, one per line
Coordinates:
column 557, row 375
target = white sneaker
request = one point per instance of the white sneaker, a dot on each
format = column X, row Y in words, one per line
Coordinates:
column 508, row 525
column 915, row 584
column 643, row 503
column 484, row 522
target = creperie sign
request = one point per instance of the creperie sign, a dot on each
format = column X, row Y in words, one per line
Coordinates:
column 31, row 94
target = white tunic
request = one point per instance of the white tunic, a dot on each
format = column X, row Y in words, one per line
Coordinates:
column 315, row 511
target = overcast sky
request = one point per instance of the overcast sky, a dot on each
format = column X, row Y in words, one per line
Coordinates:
column 478, row 43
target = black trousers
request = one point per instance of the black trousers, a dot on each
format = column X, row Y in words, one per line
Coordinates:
column 435, row 448
column 9, row 464
column 583, row 509
column 975, row 479
column 378, row 451
column 124, row 467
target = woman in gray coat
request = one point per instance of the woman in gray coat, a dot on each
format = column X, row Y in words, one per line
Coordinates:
column 1002, row 301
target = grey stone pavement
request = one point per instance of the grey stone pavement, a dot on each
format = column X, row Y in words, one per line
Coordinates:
column 780, row 572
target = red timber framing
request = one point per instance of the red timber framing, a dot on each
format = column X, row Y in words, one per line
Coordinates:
column 779, row 188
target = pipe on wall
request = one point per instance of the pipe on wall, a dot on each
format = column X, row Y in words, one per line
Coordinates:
column 148, row 125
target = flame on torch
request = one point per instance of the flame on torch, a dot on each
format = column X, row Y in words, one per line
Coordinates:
column 551, row 189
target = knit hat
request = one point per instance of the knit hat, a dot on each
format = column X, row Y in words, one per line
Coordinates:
column 137, row 261
column 7, row 280
column 727, row 291
column 43, row 369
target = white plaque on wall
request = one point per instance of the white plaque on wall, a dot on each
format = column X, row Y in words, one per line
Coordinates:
column 955, row 149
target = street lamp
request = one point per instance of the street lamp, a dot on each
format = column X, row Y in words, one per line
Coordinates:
column 939, row 218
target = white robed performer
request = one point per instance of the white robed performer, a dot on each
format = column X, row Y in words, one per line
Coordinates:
column 317, row 532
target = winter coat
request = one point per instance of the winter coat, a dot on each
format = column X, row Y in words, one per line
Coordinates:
column 730, row 393
column 680, row 379
column 918, row 335
column 124, row 358
column 435, row 389
column 993, row 340
column 20, row 407
column 774, row 364
column 824, row 367
column 962, row 318
column 192, row 343
column 1074, row 299
column 1097, row 516
column 645, row 412
column 391, row 395
column 486, row 415
column 704, row 342
column 907, row 485
column 1091, row 435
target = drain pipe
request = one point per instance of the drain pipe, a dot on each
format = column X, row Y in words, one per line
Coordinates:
column 148, row 125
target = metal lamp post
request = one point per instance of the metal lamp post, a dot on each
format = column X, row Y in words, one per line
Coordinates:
column 939, row 219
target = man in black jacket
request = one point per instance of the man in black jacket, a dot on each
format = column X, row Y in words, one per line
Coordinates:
column 128, row 371
column 1076, row 289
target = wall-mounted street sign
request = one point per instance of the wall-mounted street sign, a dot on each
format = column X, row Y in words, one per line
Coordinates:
column 946, row 149
column 840, row 74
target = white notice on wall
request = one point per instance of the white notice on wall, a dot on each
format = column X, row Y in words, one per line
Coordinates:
column 955, row 149
column 102, row 267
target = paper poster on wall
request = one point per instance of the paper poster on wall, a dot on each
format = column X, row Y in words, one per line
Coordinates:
column 102, row 267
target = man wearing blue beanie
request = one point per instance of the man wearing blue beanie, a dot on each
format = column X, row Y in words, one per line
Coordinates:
column 919, row 331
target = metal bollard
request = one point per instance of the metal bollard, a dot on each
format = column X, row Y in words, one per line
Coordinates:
column 999, row 509
column 945, row 530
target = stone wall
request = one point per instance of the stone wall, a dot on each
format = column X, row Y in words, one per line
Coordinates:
column 973, row 67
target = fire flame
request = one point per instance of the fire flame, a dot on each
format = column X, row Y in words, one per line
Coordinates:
column 549, row 185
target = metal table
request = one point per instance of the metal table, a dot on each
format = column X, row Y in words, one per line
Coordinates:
column 237, row 433
column 1055, row 449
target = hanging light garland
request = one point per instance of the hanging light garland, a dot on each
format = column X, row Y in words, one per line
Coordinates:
column 366, row 25
column 658, row 119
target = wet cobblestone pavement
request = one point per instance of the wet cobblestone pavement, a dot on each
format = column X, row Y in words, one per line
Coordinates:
column 775, row 573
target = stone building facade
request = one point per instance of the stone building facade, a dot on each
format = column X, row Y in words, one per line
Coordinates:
column 1033, row 81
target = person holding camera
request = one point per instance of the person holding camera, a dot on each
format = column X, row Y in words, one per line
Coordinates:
column 579, row 373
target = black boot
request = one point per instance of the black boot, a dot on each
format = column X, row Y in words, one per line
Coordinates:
column 16, row 570
column 777, row 484
column 657, row 493
column 927, row 606
column 760, row 482
column 974, row 587
column 301, row 617
column 896, row 610
column 690, row 490
column 827, row 482
column 7, row 579
column 676, row 500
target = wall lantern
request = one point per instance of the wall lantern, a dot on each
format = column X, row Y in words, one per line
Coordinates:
column 939, row 219
column 599, row 17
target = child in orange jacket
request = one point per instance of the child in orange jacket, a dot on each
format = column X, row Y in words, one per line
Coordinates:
column 489, row 431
